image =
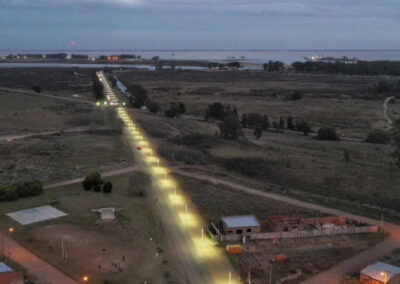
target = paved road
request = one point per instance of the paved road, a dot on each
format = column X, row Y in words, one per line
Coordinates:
column 41, row 270
column 32, row 93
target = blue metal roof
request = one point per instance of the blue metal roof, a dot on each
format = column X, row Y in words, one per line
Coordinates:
column 4, row 268
column 240, row 221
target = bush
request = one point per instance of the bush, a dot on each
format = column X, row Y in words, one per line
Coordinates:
column 97, row 188
column 296, row 96
column 12, row 192
column 92, row 180
column 87, row 185
column 230, row 127
column 138, row 96
column 107, row 188
column 378, row 137
column 37, row 89
column 303, row 127
column 327, row 133
column 175, row 109
column 9, row 192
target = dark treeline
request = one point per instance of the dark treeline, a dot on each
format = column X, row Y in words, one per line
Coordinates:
column 359, row 68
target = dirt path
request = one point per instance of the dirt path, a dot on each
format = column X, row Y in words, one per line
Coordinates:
column 385, row 111
column 9, row 138
column 41, row 270
column 111, row 173
column 32, row 93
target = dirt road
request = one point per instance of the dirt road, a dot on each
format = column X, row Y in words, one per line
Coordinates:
column 32, row 93
column 9, row 138
column 41, row 270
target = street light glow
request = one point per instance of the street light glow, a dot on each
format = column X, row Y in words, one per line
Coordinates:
column 197, row 246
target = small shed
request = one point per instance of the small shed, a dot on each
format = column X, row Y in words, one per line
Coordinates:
column 380, row 273
column 240, row 225
column 9, row 276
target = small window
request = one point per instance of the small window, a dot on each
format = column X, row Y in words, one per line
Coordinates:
column 248, row 230
column 230, row 232
column 239, row 232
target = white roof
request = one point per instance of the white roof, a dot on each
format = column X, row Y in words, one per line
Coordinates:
column 37, row 214
column 4, row 268
column 240, row 221
column 380, row 270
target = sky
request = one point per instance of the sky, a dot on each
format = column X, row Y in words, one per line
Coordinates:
column 199, row 24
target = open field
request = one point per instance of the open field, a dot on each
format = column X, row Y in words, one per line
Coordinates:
column 347, row 103
column 349, row 174
column 92, row 246
column 48, row 79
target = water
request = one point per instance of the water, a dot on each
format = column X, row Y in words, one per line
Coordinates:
column 90, row 65
column 247, row 56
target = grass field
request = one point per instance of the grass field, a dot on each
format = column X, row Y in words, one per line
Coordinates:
column 85, row 238
column 353, row 175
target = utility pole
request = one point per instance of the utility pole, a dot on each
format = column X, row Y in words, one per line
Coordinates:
column 381, row 225
column 270, row 274
column 249, row 276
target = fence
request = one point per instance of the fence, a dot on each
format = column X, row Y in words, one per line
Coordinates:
column 326, row 232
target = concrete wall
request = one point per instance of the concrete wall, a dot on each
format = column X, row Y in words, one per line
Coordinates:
column 302, row 233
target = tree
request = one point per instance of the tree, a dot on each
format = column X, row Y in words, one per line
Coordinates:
column 97, row 188
column 87, row 185
column 153, row 107
column 230, row 127
column 156, row 58
column 253, row 119
column 37, row 89
column 244, row 120
column 235, row 64
column 396, row 141
column 9, row 192
column 378, row 137
column 303, row 127
column 97, row 87
column 265, row 123
column 138, row 96
column 327, row 133
column 107, row 187
column 273, row 66
column 296, row 96
column 32, row 188
column 258, row 131
column 182, row 108
column 175, row 109
column 281, row 123
column 92, row 180
column 216, row 110
column 290, row 124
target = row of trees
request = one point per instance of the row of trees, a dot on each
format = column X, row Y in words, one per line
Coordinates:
column 12, row 192
column 274, row 66
column 97, row 87
column 358, row 68
column 94, row 181
column 139, row 98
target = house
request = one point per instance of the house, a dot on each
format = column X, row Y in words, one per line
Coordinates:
column 380, row 273
column 9, row 276
column 240, row 225
column 284, row 223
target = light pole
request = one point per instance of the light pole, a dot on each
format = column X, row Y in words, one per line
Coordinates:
column 384, row 274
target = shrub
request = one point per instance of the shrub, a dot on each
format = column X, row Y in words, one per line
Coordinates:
column 37, row 89
column 303, row 127
column 92, row 180
column 107, row 187
column 97, row 188
column 327, row 133
column 32, row 188
column 296, row 96
column 87, row 185
column 9, row 192
column 175, row 109
column 258, row 131
column 138, row 97
column 230, row 127
column 378, row 137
